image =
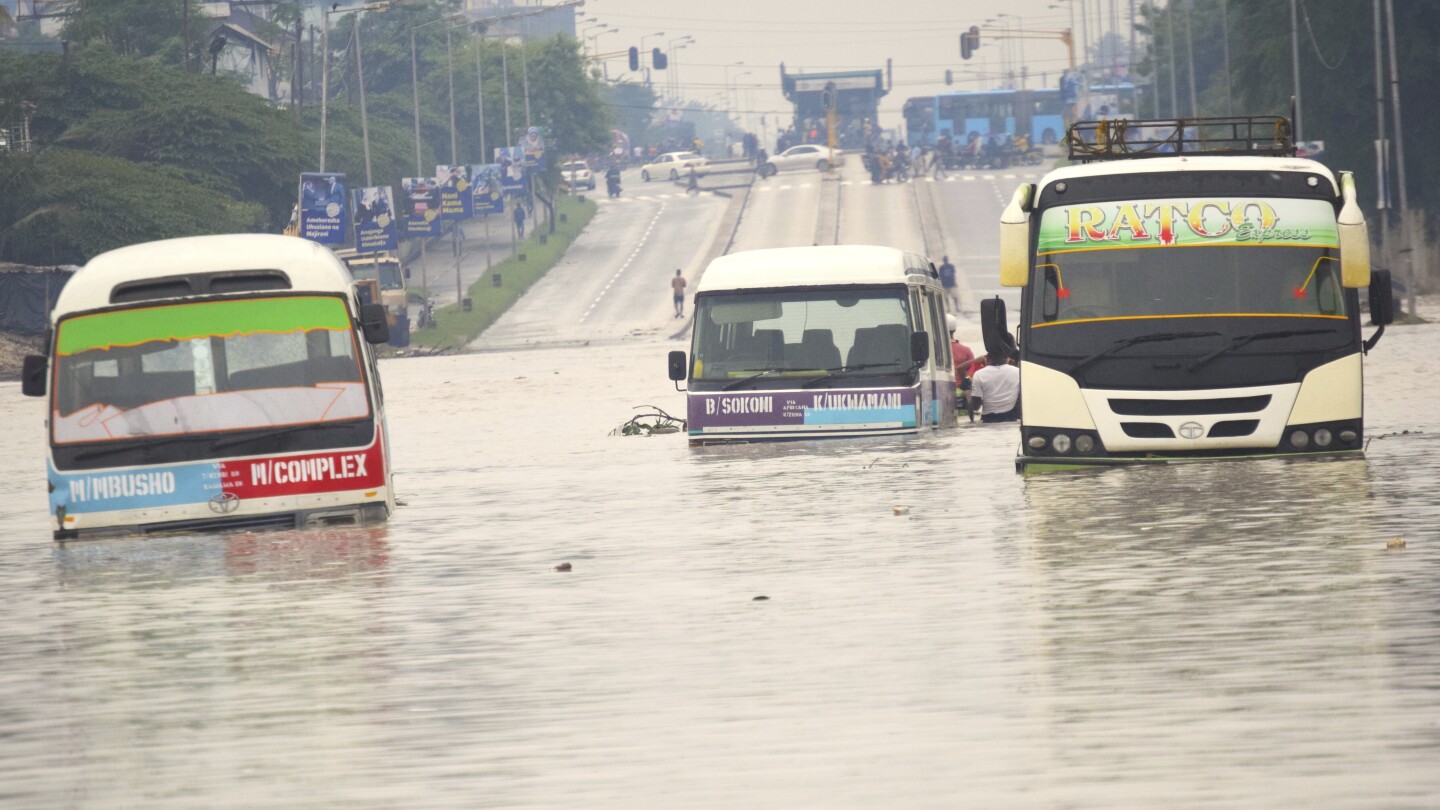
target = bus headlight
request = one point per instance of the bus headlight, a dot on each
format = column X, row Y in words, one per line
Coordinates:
column 1299, row 440
column 1084, row 443
column 1036, row 442
column 1061, row 443
column 1323, row 438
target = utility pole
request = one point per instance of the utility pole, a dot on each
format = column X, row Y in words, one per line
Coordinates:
column 1407, row 233
column 1382, row 146
column 1295, row 66
column 484, row 156
column 1225, row 41
column 1170, row 46
column 454, row 159
column 1190, row 57
column 324, row 79
column 419, row 171
column 364, row 119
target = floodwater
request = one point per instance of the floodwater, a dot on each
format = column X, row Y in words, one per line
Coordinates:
column 1222, row 635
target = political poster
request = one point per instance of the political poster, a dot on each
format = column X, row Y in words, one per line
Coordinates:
column 532, row 146
column 375, row 220
column 512, row 168
column 489, row 194
column 456, row 200
column 422, row 206
column 324, row 208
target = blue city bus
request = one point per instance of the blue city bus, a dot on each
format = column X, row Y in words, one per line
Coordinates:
column 1039, row 114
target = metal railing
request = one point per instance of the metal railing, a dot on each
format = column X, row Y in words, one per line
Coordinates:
column 1123, row 139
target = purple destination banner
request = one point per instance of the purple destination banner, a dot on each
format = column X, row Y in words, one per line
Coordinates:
column 756, row 414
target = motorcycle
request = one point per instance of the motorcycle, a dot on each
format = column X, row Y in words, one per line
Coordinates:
column 612, row 186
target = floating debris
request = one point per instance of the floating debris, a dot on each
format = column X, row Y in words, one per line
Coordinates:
column 652, row 422
column 900, row 510
column 1395, row 544
column 761, row 598
column 562, row 567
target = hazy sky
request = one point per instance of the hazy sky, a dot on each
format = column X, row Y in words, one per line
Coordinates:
column 921, row 36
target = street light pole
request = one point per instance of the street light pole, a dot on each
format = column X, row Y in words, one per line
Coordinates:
column 1295, row 66
column 364, row 119
column 324, row 80
column 1406, row 231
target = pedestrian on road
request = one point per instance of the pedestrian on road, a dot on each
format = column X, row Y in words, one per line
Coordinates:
column 520, row 220
column 947, row 281
column 677, row 284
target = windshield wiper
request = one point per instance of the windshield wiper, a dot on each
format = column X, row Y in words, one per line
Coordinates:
column 845, row 370
column 268, row 433
column 135, row 443
column 743, row 380
column 1245, row 340
column 1155, row 338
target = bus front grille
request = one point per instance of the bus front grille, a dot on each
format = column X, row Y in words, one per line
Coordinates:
column 1189, row 407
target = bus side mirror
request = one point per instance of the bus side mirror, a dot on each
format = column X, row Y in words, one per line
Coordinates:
column 32, row 375
column 919, row 347
column 994, row 329
column 1354, row 237
column 1015, row 238
column 374, row 323
column 1382, row 299
column 677, row 366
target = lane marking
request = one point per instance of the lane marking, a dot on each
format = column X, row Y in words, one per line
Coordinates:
column 638, row 247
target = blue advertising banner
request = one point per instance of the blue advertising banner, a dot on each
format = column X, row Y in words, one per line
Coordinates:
column 324, row 208
column 489, row 194
column 456, row 201
column 512, row 168
column 375, row 220
column 422, row 206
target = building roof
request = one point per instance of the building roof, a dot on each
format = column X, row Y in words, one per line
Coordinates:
column 812, row 267
column 310, row 266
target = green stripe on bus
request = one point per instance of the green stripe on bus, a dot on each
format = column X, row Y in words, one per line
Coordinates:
column 132, row 327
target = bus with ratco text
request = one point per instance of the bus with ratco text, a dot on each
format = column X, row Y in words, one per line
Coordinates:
column 1188, row 291
column 212, row 383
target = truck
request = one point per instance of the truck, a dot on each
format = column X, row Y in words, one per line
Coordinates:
column 380, row 278
column 1190, row 290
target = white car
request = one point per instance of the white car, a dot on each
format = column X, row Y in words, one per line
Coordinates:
column 672, row 165
column 808, row 156
column 577, row 174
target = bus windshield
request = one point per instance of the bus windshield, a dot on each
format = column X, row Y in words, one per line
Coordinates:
column 801, row 333
column 386, row 272
column 206, row 366
column 1177, row 259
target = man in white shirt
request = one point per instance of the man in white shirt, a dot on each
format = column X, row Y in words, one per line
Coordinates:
column 996, row 389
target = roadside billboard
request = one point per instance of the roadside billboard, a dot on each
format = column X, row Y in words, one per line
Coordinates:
column 324, row 208
column 375, row 220
column 456, row 200
column 422, row 206
column 489, row 193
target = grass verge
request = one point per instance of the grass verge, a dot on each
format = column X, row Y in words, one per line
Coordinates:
column 455, row 328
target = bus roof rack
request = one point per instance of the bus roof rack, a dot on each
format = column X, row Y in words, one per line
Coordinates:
column 1124, row 139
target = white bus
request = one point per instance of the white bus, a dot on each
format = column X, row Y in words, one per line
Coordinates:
column 213, row 382
column 809, row 342
column 1190, row 296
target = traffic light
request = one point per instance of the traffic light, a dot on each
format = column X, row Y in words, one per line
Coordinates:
column 949, row 77
column 634, row 58
column 659, row 60
column 969, row 42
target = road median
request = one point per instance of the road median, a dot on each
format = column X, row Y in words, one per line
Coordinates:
column 502, row 285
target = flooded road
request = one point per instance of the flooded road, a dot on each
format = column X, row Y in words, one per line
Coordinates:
column 1224, row 635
